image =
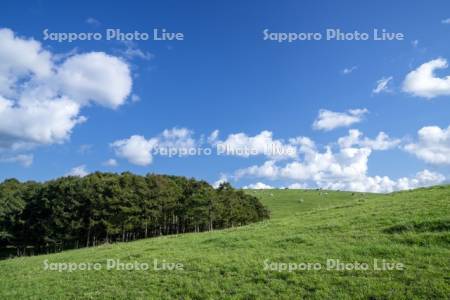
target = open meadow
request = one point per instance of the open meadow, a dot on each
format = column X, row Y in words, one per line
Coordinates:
column 410, row 228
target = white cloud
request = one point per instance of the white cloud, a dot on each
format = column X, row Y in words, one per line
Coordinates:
column 267, row 170
column 382, row 85
column 177, row 138
column 381, row 142
column 140, row 151
column 445, row 21
column 35, row 121
column 347, row 71
column 41, row 96
column 258, row 186
column 213, row 137
column 433, row 145
column 297, row 186
column 344, row 169
column 96, row 77
column 240, row 144
column 25, row 160
column 318, row 166
column 110, row 163
column 328, row 120
column 132, row 53
column 426, row 178
column 136, row 149
column 304, row 144
column 180, row 142
column 384, row 184
column 20, row 58
column 79, row 171
column 422, row 82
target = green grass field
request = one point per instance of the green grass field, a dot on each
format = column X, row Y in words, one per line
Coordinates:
column 412, row 228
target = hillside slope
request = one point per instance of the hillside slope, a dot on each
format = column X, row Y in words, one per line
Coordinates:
column 411, row 228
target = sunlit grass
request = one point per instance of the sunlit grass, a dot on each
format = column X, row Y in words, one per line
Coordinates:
column 411, row 228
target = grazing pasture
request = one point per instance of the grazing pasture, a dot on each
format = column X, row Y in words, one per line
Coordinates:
column 307, row 228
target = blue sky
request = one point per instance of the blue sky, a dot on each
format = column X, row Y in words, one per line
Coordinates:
column 224, row 76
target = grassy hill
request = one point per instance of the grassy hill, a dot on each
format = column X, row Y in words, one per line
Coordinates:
column 411, row 228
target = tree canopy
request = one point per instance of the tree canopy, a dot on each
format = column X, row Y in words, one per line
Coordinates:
column 72, row 212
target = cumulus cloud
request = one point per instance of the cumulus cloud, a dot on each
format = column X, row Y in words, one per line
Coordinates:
column 177, row 138
column 181, row 142
column 25, row 160
column 140, row 151
column 341, row 165
column 316, row 165
column 96, row 77
column 110, row 163
column 34, row 120
column 382, row 85
column 241, row 144
column 79, row 171
column 136, row 149
column 297, row 186
column 423, row 82
column 258, row 186
column 345, row 168
column 433, row 145
column 19, row 58
column 425, row 178
column 267, row 170
column 355, row 138
column 328, row 120
column 344, row 171
column 41, row 97
column 384, row 184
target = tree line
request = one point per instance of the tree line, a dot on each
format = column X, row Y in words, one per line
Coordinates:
column 74, row 212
